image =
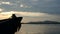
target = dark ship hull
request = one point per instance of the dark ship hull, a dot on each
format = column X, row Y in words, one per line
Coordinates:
column 10, row 25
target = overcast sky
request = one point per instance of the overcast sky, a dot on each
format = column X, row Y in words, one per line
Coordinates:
column 34, row 10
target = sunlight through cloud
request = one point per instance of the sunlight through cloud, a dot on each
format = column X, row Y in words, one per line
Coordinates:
column 25, row 6
column 1, row 9
column 30, row 16
column 6, row 3
column 21, row 5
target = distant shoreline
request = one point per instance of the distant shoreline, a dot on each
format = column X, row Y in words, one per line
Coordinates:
column 43, row 22
column 40, row 23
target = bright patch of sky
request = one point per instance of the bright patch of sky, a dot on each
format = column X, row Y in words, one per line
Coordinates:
column 30, row 16
column 1, row 9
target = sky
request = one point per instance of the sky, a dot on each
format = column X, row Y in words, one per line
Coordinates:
column 31, row 10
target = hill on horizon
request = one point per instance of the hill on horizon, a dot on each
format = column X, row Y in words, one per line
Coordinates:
column 43, row 22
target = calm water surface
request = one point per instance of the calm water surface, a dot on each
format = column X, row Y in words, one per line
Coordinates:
column 40, row 29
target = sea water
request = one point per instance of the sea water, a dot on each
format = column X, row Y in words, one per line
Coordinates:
column 40, row 29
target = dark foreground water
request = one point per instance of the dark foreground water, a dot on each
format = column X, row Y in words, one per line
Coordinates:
column 40, row 29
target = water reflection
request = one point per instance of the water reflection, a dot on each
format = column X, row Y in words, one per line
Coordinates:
column 40, row 29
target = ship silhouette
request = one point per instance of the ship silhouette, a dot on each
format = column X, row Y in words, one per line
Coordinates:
column 10, row 25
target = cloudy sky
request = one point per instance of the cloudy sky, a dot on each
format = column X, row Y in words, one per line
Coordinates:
column 31, row 10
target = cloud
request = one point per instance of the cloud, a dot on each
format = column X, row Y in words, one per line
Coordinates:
column 34, row 0
column 25, row 6
column 1, row 9
column 7, row 3
column 21, row 5
column 31, row 16
column 4, row 16
column 49, row 0
column 45, row 6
